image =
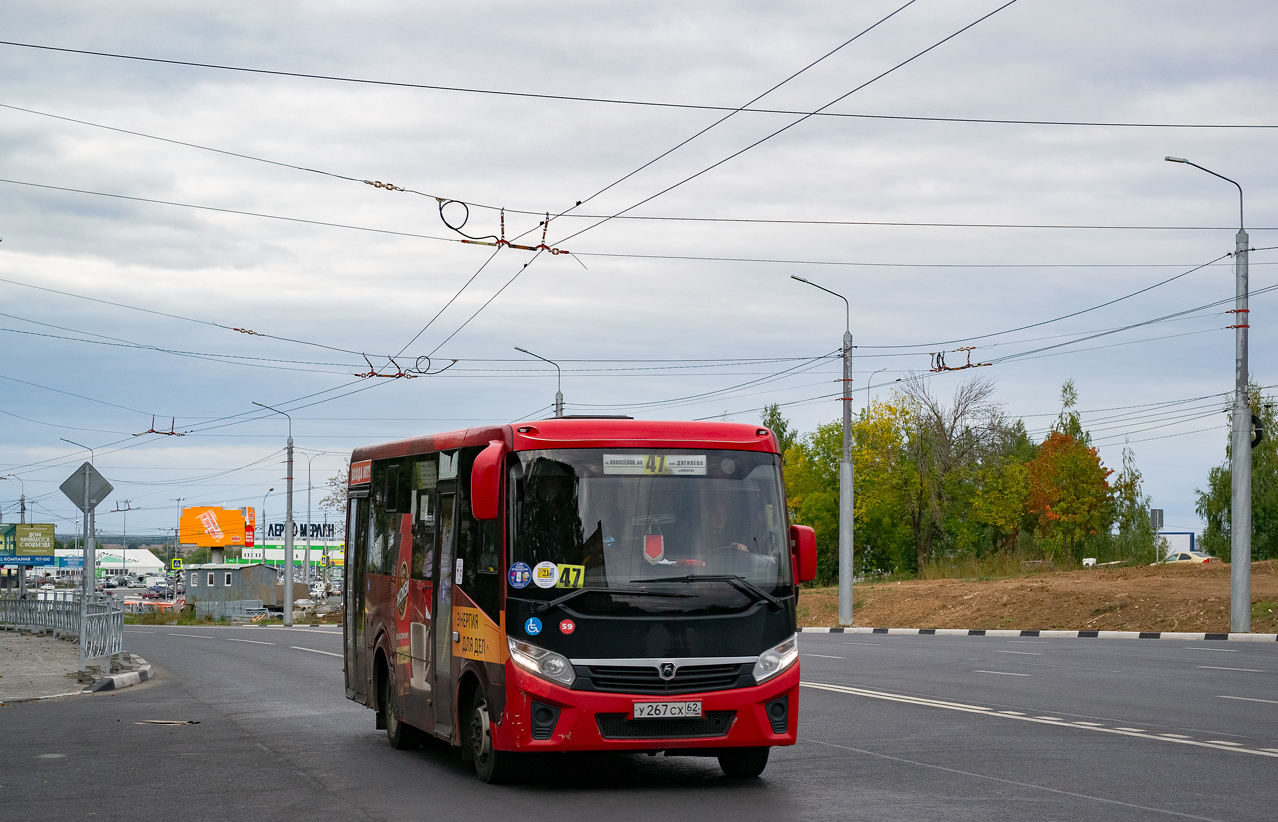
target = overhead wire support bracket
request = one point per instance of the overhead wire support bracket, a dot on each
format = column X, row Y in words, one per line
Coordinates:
column 172, row 432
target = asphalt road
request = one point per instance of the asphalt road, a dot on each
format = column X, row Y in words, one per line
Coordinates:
column 901, row 728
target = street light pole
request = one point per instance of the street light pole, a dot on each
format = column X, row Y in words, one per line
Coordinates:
column 307, row 561
column 1240, row 468
column 22, row 518
column 288, row 521
column 867, row 388
column 845, row 466
column 559, row 394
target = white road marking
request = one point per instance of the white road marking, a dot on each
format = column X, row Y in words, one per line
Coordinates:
column 1000, row 673
column 1217, row 650
column 254, row 641
column 1247, row 670
column 1175, row 736
column 1009, row 781
column 1024, row 653
column 1134, row 730
column 925, row 702
column 1052, row 718
column 312, row 650
column 825, row 656
column 1248, row 699
column 192, row 636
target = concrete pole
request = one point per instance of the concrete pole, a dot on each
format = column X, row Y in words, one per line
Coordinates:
column 308, row 523
column 846, row 491
column 288, row 535
column 1240, row 515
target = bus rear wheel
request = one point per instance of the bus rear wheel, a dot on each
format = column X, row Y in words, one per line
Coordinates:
column 400, row 735
column 743, row 763
column 491, row 765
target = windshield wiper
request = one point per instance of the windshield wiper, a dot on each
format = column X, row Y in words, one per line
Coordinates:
column 543, row 607
column 735, row 580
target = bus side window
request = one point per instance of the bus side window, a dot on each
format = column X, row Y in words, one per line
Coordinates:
column 381, row 554
column 477, row 545
column 425, row 478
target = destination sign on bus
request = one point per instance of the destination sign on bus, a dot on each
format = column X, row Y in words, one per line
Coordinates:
column 678, row 464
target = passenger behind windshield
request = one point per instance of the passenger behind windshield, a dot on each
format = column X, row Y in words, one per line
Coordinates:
column 722, row 514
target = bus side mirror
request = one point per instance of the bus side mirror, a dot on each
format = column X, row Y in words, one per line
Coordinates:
column 485, row 481
column 803, row 540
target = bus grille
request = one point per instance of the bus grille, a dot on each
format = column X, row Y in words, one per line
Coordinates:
column 713, row 724
column 690, row 679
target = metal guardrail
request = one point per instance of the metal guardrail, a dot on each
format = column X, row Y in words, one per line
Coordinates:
column 59, row 612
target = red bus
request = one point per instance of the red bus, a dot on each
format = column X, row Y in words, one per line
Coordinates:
column 577, row 584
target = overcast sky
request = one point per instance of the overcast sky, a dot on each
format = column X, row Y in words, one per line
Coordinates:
column 635, row 314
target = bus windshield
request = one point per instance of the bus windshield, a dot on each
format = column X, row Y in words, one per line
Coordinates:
column 618, row 518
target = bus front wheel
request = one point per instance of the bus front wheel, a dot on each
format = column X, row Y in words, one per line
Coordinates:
column 743, row 763
column 491, row 765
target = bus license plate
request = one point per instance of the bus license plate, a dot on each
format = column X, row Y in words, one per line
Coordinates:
column 666, row 710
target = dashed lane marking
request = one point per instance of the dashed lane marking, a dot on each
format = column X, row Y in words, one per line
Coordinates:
column 192, row 636
column 314, row 651
column 1022, row 653
column 1218, row 744
column 254, row 641
column 1248, row 699
column 1000, row 673
column 825, row 656
column 1245, row 670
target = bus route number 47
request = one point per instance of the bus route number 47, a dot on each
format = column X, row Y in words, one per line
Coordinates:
column 667, row 710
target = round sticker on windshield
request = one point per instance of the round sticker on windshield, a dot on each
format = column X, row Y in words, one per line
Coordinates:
column 533, row 626
column 567, row 626
column 545, row 574
column 519, row 575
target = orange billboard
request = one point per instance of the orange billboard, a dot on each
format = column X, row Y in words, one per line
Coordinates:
column 210, row 527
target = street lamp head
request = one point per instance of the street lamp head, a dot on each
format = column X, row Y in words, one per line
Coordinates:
column 800, row 279
column 1176, row 159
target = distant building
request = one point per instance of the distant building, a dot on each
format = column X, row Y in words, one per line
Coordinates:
column 222, row 583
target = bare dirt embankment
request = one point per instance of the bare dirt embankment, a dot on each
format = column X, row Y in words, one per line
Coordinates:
column 1166, row 598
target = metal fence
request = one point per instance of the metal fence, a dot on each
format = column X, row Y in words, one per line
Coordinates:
column 60, row 612
column 235, row 609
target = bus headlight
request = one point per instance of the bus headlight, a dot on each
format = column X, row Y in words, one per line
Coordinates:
column 540, row 662
column 775, row 660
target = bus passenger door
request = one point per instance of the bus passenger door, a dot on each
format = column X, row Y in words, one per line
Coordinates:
column 442, row 622
column 354, row 590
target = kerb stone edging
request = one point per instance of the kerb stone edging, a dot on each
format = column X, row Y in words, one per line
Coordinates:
column 1047, row 634
column 115, row 682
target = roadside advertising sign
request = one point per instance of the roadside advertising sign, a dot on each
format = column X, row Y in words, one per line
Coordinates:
column 210, row 527
column 26, row 544
column 250, row 527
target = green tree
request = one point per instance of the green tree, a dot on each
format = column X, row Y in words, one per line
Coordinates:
column 1214, row 503
column 1135, row 536
column 943, row 446
column 779, row 425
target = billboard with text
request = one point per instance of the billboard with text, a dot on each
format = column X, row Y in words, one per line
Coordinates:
column 210, row 527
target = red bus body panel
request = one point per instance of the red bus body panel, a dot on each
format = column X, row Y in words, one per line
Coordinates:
column 578, row 731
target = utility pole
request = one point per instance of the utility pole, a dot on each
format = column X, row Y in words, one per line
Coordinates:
column 124, row 554
column 288, row 522
column 845, row 466
column 1240, row 446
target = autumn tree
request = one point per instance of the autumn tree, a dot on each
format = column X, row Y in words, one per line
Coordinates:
column 1069, row 491
column 334, row 499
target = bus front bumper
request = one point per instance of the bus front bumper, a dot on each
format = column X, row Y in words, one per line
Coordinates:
column 596, row 721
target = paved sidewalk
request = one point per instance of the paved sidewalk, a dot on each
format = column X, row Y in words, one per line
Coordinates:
column 33, row 666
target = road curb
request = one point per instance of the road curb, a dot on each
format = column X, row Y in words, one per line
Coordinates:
column 115, row 682
column 1047, row 634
